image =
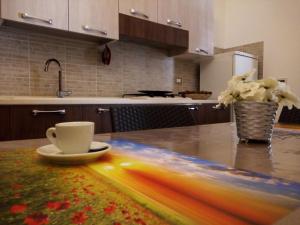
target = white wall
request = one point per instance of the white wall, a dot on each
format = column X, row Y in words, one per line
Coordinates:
column 276, row 22
column 219, row 23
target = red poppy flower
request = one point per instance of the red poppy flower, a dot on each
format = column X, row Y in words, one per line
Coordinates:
column 17, row 195
column 140, row 221
column 18, row 208
column 126, row 214
column 76, row 201
column 117, row 223
column 110, row 209
column 36, row 219
column 59, row 205
column 88, row 208
column 17, row 186
column 79, row 217
column 82, row 177
column 74, row 190
column 65, row 204
column 55, row 193
column 88, row 191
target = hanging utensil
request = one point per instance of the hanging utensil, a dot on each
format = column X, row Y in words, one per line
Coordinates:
column 106, row 55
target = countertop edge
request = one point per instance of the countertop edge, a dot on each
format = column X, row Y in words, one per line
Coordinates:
column 96, row 101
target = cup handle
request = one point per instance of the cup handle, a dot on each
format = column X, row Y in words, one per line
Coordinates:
column 50, row 133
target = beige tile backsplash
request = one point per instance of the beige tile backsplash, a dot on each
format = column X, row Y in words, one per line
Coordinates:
column 133, row 67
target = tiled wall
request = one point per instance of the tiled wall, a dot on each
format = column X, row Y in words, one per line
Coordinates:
column 253, row 48
column 133, row 67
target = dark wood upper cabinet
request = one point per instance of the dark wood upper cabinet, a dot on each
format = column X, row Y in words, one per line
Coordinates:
column 4, row 123
column 32, row 121
column 100, row 115
column 151, row 33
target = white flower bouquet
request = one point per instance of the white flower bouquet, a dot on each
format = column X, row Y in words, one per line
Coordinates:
column 240, row 88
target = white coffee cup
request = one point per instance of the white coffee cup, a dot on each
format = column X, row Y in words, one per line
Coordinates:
column 72, row 137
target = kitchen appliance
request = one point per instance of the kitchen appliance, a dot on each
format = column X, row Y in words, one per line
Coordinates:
column 151, row 94
column 197, row 95
column 215, row 74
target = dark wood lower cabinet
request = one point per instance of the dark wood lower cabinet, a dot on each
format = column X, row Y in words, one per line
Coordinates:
column 32, row 121
column 100, row 115
column 207, row 114
column 4, row 123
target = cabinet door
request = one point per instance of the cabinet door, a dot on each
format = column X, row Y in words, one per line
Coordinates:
column 143, row 9
column 213, row 115
column 94, row 17
column 198, row 112
column 172, row 12
column 4, row 123
column 100, row 115
column 199, row 19
column 26, row 125
column 53, row 13
column 207, row 114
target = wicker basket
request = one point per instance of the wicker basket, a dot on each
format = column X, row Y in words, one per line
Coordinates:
column 255, row 120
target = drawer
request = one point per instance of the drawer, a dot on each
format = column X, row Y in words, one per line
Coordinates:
column 213, row 115
column 4, row 123
column 32, row 121
column 100, row 115
column 207, row 114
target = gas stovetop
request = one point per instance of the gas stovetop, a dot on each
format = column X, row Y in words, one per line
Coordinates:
column 152, row 94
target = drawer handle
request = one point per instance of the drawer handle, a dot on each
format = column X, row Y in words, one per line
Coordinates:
column 89, row 29
column 26, row 16
column 101, row 110
column 172, row 22
column 199, row 50
column 37, row 112
column 218, row 107
column 137, row 13
column 194, row 108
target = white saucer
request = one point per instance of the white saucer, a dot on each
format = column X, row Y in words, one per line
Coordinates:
column 53, row 154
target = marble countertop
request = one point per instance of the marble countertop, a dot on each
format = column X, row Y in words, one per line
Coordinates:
column 39, row 100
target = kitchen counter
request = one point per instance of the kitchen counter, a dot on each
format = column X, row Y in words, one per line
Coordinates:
column 216, row 145
column 39, row 100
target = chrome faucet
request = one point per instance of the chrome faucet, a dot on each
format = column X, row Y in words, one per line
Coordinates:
column 60, row 93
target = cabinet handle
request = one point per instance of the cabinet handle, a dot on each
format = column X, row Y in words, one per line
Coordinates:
column 137, row 13
column 101, row 110
column 172, row 22
column 194, row 108
column 89, row 29
column 26, row 16
column 36, row 112
column 222, row 107
column 199, row 50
